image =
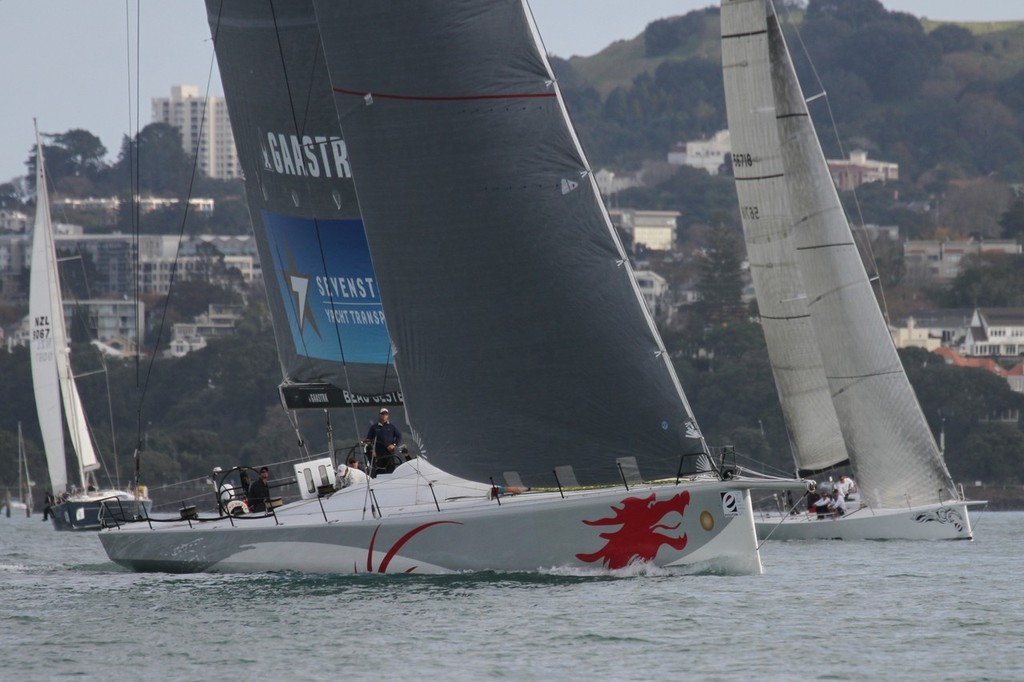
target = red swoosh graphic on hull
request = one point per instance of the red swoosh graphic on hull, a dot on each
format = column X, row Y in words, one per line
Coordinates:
column 398, row 546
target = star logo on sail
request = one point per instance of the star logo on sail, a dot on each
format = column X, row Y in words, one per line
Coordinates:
column 298, row 285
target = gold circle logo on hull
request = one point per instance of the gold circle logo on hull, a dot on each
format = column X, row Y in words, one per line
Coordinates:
column 707, row 521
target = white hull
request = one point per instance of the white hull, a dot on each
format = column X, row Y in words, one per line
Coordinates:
column 704, row 526
column 926, row 522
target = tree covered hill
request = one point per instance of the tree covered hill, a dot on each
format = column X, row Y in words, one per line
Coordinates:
column 943, row 100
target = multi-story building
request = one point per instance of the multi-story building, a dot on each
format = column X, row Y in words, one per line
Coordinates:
column 941, row 260
column 996, row 332
column 708, row 155
column 205, row 129
column 848, row 174
column 655, row 230
column 218, row 320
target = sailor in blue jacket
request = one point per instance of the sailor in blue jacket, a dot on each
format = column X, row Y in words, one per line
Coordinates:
column 385, row 440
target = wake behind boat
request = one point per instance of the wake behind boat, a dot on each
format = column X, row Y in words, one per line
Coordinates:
column 844, row 393
column 75, row 507
column 524, row 346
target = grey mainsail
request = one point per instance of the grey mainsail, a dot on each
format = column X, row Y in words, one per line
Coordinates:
column 523, row 340
column 803, row 390
column 887, row 437
column 329, row 325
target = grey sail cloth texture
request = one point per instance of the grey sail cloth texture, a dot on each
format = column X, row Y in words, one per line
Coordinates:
column 885, row 433
column 804, row 394
column 522, row 338
column 328, row 323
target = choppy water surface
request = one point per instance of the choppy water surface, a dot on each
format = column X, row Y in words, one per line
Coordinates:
column 822, row 610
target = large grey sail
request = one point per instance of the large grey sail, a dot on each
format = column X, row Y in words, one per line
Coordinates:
column 887, row 437
column 767, row 228
column 329, row 324
column 523, row 340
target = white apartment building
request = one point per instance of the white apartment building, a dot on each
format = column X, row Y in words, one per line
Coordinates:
column 708, row 155
column 210, row 134
column 996, row 332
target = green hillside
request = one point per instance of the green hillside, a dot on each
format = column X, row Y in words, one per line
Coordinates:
column 943, row 100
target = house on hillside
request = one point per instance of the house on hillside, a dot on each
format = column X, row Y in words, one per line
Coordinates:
column 932, row 328
column 941, row 260
column 995, row 332
column 849, row 174
column 707, row 155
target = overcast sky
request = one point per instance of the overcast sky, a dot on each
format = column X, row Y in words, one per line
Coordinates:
column 65, row 61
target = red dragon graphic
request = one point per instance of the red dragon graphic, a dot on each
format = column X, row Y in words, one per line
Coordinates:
column 643, row 530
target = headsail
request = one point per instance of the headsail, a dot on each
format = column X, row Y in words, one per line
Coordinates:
column 324, row 298
column 887, row 436
column 52, row 379
column 523, row 340
column 767, row 227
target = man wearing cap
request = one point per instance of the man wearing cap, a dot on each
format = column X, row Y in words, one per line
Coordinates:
column 385, row 439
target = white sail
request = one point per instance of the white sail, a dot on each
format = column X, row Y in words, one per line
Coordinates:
column 52, row 377
column 43, row 290
column 764, row 208
column 887, row 437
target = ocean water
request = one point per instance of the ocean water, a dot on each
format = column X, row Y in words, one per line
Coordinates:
column 821, row 611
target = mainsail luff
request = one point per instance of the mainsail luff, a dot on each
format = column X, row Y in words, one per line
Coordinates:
column 522, row 342
column 767, row 227
column 888, row 439
column 52, row 376
column 330, row 331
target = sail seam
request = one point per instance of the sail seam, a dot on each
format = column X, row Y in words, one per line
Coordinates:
column 799, row 114
column 445, row 98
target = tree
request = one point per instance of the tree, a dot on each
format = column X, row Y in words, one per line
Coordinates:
column 1012, row 221
column 157, row 157
column 720, row 282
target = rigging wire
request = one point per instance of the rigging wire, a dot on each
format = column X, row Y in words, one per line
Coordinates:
column 299, row 128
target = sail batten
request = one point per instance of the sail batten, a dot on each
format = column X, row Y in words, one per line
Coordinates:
column 761, row 180
column 890, row 445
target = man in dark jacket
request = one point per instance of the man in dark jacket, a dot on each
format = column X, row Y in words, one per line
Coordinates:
column 259, row 491
column 385, row 441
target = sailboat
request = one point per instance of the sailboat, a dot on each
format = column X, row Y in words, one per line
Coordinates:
column 844, row 393
column 79, row 506
column 551, row 427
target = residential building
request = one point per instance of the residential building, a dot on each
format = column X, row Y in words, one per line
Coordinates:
column 14, row 221
column 848, row 174
column 941, row 260
column 932, row 328
column 708, row 155
column 218, row 320
column 655, row 230
column 112, row 322
column 995, row 332
column 205, row 129
column 654, row 288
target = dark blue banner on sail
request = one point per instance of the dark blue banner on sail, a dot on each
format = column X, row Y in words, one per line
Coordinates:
column 329, row 324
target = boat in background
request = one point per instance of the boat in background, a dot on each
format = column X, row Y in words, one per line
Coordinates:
column 79, row 506
column 525, row 349
column 22, row 503
column 844, row 393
